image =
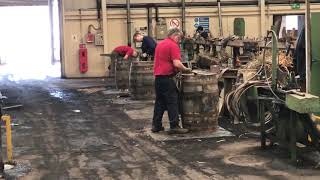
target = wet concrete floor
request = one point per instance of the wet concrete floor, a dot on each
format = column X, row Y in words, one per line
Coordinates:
column 72, row 129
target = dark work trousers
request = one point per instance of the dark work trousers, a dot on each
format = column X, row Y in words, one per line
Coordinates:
column 114, row 57
column 166, row 99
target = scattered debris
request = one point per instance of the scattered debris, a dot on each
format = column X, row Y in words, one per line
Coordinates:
column 199, row 162
column 15, row 124
column 221, row 140
column 91, row 90
column 8, row 166
column 12, row 107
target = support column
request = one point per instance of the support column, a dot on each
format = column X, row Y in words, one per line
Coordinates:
column 50, row 5
column 183, row 18
column 104, row 26
column 150, row 28
column 129, row 23
column 262, row 18
column 308, row 45
column 62, row 40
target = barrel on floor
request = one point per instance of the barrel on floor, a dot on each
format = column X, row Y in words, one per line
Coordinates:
column 142, row 80
column 200, row 97
column 122, row 74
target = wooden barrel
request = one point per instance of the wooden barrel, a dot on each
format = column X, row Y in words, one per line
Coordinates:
column 200, row 96
column 122, row 74
column 142, row 80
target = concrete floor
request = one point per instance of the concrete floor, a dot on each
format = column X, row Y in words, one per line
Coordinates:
column 73, row 129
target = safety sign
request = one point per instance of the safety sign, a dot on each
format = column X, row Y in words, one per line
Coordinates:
column 175, row 23
column 202, row 21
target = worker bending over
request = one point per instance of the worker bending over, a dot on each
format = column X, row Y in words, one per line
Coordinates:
column 124, row 52
column 148, row 45
column 121, row 53
column 167, row 64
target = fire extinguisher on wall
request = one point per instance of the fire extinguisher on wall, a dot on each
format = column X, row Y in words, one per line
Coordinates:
column 83, row 58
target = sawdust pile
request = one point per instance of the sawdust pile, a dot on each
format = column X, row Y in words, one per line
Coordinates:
column 284, row 61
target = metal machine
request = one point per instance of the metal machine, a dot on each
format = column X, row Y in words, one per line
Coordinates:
column 283, row 113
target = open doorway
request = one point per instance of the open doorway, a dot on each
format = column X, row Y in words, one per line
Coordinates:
column 288, row 26
column 28, row 49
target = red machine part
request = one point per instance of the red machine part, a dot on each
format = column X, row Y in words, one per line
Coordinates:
column 83, row 58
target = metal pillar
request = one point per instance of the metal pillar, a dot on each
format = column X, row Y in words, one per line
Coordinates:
column 183, row 16
column 263, row 17
column 61, row 25
column 129, row 23
column 50, row 5
column 308, row 45
column 149, row 12
column 220, row 19
column 104, row 26
column 274, row 59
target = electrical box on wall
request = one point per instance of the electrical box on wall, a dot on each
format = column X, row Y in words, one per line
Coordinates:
column 99, row 39
column 143, row 30
column 90, row 38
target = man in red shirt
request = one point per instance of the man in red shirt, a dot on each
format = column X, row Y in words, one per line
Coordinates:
column 120, row 53
column 125, row 51
column 167, row 64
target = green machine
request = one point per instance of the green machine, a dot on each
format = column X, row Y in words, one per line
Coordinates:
column 283, row 112
column 315, row 66
column 239, row 27
column 291, row 109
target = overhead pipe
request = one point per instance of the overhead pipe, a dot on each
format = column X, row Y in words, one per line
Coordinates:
column 98, row 5
column 183, row 24
column 207, row 4
column 187, row 4
column 220, row 18
column 289, row 1
column 129, row 22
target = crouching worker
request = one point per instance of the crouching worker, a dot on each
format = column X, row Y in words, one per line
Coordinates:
column 121, row 53
column 124, row 52
column 167, row 64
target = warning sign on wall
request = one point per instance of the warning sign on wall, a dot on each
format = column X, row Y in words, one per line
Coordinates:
column 202, row 21
column 174, row 23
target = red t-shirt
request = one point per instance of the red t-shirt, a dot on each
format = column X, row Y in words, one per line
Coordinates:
column 124, row 50
column 166, row 51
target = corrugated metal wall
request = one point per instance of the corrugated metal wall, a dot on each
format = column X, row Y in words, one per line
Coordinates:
column 23, row 2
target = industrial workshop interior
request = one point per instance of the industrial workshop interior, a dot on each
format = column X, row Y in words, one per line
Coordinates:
column 160, row 90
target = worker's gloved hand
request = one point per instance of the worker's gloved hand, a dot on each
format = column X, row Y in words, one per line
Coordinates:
column 144, row 55
column 187, row 70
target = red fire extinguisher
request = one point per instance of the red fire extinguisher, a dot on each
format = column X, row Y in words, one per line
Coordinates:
column 83, row 58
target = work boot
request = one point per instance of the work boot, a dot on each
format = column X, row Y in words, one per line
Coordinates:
column 157, row 129
column 178, row 130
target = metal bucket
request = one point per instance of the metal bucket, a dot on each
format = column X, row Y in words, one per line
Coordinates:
column 142, row 80
column 200, row 96
column 122, row 74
